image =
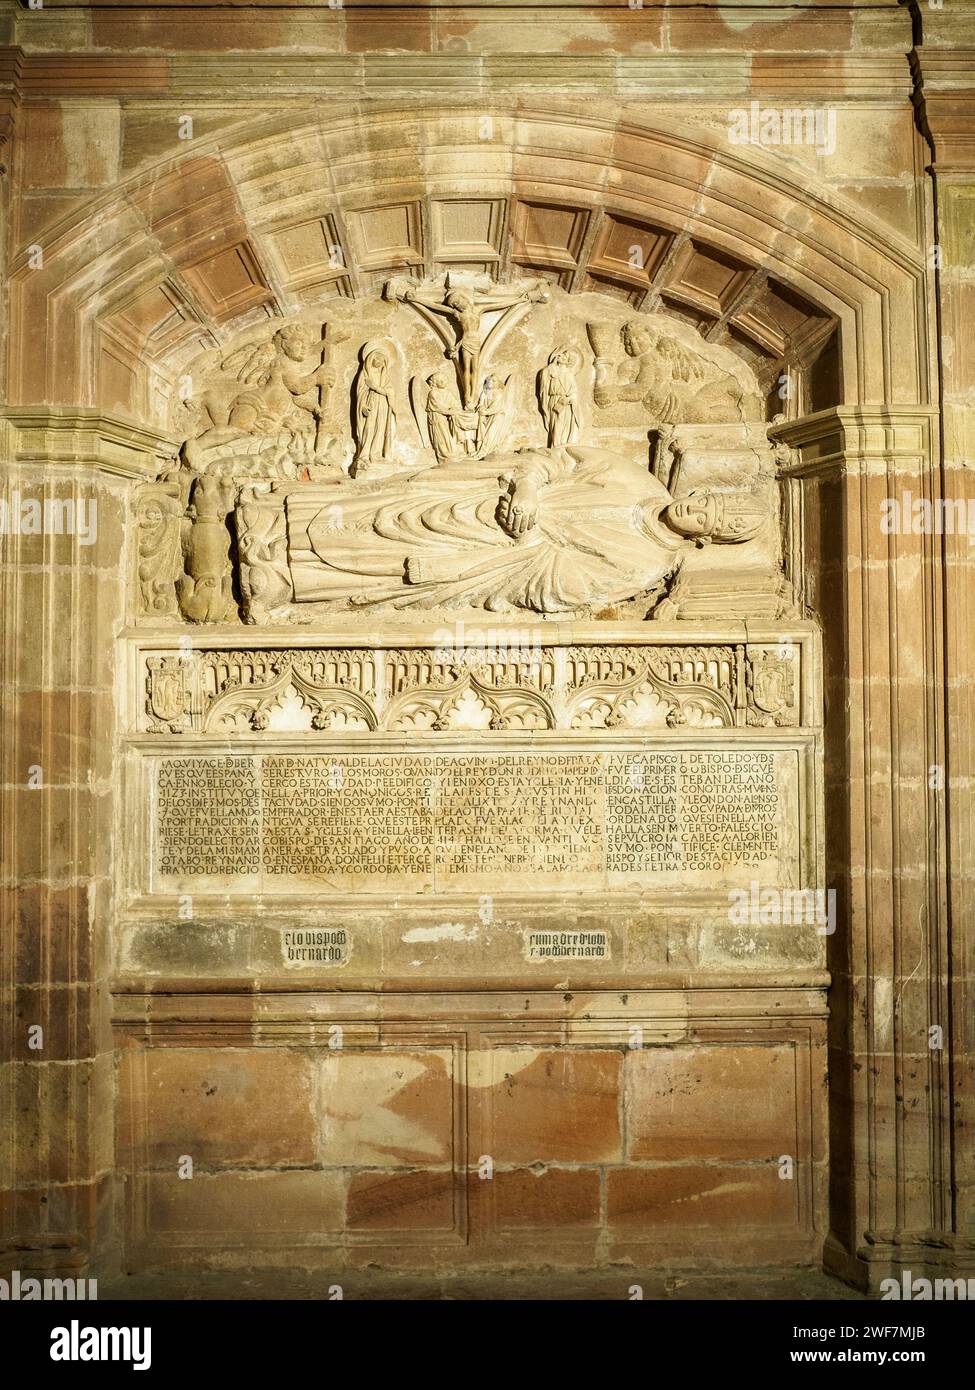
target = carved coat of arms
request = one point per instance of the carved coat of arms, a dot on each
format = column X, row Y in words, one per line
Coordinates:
column 168, row 692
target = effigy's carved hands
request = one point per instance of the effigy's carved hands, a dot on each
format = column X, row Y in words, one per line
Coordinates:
column 518, row 508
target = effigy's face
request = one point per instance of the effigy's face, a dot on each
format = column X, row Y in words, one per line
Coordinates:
column 692, row 516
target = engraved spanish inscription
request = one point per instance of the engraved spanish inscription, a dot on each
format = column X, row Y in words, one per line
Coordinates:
column 207, row 817
column 689, row 818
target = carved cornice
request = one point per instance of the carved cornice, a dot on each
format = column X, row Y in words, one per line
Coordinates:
column 945, row 100
column 93, row 74
column 11, row 67
column 849, row 438
column 296, row 76
column 82, row 435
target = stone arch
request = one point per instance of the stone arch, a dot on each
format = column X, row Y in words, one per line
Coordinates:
column 245, row 226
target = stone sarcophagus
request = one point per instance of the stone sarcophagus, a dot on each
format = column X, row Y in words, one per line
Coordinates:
column 472, row 722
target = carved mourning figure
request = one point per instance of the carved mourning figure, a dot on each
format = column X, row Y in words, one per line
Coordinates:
column 445, row 427
column 550, row 530
column 558, row 395
column 671, row 385
column 453, row 432
column 493, row 415
column 463, row 312
column 278, row 419
column 375, row 419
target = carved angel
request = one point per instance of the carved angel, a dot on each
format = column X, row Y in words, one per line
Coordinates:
column 671, row 383
column 281, row 408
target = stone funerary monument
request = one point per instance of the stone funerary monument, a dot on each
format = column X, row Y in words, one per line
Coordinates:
column 474, row 791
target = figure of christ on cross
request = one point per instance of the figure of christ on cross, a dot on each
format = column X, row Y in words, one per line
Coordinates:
column 464, row 311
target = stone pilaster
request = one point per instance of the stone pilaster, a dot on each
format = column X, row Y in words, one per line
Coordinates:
column 868, row 484
column 946, row 111
column 66, row 475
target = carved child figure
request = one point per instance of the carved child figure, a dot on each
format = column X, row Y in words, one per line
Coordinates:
column 279, row 398
column 672, row 385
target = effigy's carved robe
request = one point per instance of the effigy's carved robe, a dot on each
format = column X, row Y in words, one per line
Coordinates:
column 436, row 539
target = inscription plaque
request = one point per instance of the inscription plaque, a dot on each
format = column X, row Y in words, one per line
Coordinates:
column 315, row 946
column 566, row 945
column 695, row 819
column 207, row 816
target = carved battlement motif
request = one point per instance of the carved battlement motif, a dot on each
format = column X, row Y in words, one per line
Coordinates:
column 516, row 686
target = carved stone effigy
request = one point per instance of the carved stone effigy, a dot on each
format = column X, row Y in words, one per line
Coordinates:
column 548, row 531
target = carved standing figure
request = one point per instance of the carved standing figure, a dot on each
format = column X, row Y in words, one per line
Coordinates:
column 493, row 416
column 559, row 395
column 375, row 419
column 443, row 417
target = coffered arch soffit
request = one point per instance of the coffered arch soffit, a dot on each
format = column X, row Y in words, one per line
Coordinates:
column 281, row 216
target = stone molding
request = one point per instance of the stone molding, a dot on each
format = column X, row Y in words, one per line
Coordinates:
column 945, row 99
column 867, row 78
column 83, row 436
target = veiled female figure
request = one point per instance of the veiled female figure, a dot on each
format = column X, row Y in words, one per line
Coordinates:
column 375, row 420
column 558, row 394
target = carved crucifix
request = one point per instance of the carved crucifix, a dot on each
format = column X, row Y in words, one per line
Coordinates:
column 457, row 316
